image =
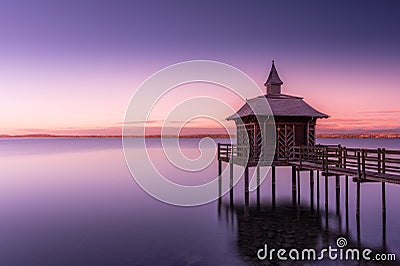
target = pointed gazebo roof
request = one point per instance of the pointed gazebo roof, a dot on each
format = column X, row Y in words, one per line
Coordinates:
column 273, row 77
column 281, row 105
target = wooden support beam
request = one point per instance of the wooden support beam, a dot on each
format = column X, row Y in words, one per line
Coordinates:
column 231, row 182
column 294, row 190
column 298, row 186
column 246, row 191
column 312, row 190
column 326, row 194
column 359, row 169
column 383, row 214
column 273, row 187
column 318, row 190
column 326, row 203
column 383, row 198
column 364, row 154
column 219, row 180
column 347, row 205
column 337, row 179
column 358, row 198
column 258, row 187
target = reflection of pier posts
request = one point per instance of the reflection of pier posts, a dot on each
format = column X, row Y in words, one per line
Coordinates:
column 312, row 190
column 246, row 191
column 294, row 185
column 258, row 187
column 273, row 188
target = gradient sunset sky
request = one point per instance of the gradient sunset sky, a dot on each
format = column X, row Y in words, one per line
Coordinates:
column 71, row 67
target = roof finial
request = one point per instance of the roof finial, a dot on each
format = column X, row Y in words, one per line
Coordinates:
column 273, row 77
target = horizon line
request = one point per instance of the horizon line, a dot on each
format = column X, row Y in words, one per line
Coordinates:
column 323, row 135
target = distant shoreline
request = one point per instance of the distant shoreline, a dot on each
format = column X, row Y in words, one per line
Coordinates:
column 196, row 136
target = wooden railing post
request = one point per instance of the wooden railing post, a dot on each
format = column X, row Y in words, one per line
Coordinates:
column 344, row 157
column 379, row 160
column 326, row 161
column 364, row 154
column 383, row 156
column 219, row 151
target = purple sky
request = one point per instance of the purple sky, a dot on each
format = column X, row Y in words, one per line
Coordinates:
column 72, row 66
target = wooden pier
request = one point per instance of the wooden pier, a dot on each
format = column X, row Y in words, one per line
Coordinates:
column 365, row 165
column 328, row 161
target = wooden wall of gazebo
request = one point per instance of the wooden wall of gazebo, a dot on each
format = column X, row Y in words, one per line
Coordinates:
column 290, row 132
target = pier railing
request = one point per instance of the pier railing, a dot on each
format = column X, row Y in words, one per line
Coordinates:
column 335, row 159
column 364, row 161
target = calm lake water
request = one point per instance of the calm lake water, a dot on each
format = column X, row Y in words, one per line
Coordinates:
column 74, row 202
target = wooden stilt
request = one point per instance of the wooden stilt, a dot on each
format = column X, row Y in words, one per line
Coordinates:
column 358, row 185
column 358, row 230
column 383, row 170
column 273, row 188
column 246, row 191
column 298, row 187
column 219, row 181
column 318, row 191
column 383, row 198
column 231, row 183
column 258, row 187
column 294, row 190
column 358, row 197
column 326, row 194
column 312, row 190
column 383, row 214
column 337, row 195
column 347, row 205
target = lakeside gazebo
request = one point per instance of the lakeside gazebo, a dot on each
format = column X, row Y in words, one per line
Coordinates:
column 284, row 125
column 295, row 122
